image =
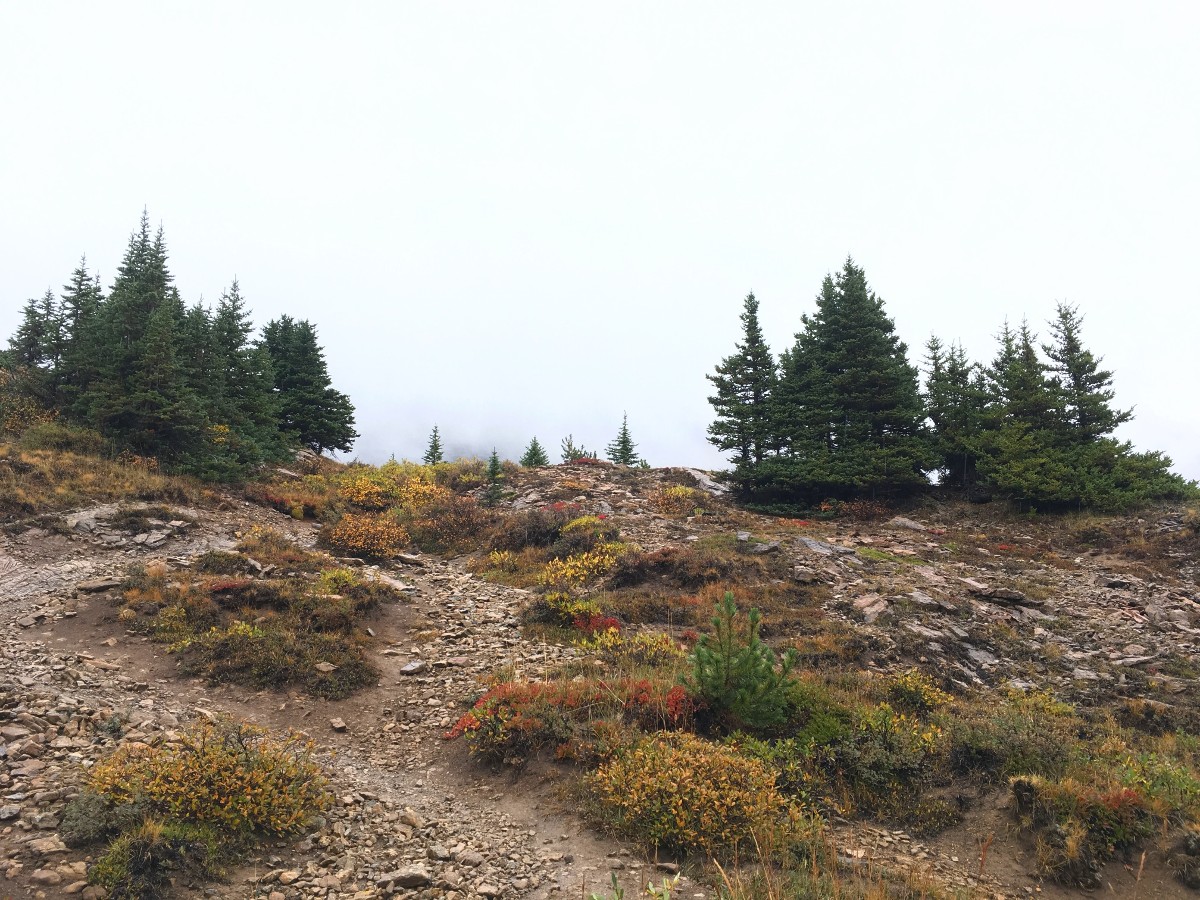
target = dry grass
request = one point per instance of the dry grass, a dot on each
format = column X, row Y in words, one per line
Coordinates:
column 40, row 481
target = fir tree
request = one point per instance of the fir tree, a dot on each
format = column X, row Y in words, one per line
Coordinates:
column 1085, row 388
column 311, row 411
column 622, row 451
column 744, row 384
column 433, row 453
column 495, row 476
column 848, row 418
column 80, row 306
column 954, row 402
column 534, row 455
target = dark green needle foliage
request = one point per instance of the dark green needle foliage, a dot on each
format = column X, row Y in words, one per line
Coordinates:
column 433, row 453
column 738, row 676
column 534, row 455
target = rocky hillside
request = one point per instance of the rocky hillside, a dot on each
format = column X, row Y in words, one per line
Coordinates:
column 1101, row 613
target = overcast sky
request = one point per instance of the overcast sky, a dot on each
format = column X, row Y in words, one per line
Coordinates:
column 526, row 218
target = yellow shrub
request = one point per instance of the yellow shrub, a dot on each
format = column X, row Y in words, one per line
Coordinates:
column 230, row 775
column 681, row 792
column 678, row 500
column 577, row 570
column 366, row 535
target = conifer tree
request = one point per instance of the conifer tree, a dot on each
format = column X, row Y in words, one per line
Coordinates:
column 535, row 455
column 954, row 402
column 433, row 453
column 848, row 414
column 311, row 411
column 495, row 475
column 623, row 450
column 80, row 305
column 1085, row 388
column 743, row 384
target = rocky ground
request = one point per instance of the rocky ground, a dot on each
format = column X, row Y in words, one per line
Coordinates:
column 991, row 601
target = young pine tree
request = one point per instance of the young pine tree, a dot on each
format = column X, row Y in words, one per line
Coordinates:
column 534, row 455
column 623, row 451
column 743, row 385
column 738, row 675
column 570, row 452
column 433, row 452
column 495, row 477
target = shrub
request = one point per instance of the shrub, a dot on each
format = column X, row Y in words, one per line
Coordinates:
column 576, row 571
column 449, row 523
column 231, row 776
column 369, row 536
column 679, row 792
column 583, row 534
column 66, row 438
column 679, row 500
column 271, row 548
column 533, row 527
column 737, row 675
column 915, row 691
column 140, row 862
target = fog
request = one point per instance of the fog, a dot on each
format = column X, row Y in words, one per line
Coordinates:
column 527, row 219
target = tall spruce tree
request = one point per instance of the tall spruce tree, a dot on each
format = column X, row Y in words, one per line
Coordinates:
column 1084, row 388
column 848, row 416
column 311, row 411
column 955, row 398
column 622, row 450
column 433, row 452
column 743, row 385
column 534, row 455
column 80, row 304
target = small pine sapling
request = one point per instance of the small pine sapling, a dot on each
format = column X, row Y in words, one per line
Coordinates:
column 570, row 452
column 495, row 475
column 737, row 674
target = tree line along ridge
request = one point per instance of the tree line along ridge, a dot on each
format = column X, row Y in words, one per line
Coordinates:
column 843, row 413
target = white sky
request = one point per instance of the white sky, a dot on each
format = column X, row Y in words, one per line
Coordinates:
column 524, row 218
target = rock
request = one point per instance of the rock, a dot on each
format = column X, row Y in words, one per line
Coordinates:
column 9, row 812
column 412, row 818
column 822, row 548
column 337, row 725
column 484, row 889
column 981, row 657
column 286, row 878
column 95, row 585
column 764, row 548
column 416, row 667
column 743, row 536
column 325, row 668
column 46, row 876
column 471, row 858
column 412, row 877
column 706, row 483
column 804, row 575
column 901, row 522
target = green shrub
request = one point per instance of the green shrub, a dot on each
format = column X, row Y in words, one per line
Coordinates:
column 139, row 864
column 65, row 438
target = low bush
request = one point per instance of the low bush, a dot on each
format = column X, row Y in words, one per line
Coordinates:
column 184, row 807
column 63, row 438
column 451, row 523
column 680, row 792
column 533, row 527
column 366, row 535
column 680, row 500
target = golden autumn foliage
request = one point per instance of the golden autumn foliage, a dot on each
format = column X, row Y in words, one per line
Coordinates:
column 233, row 776
column 372, row 536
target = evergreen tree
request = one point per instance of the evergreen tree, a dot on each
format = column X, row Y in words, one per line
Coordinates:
column 80, row 306
column 622, row 450
column 954, row 403
column 1085, row 388
column 535, row 455
column 140, row 395
column 848, row 417
column 495, row 475
column 433, row 453
column 311, row 411
column 744, row 384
